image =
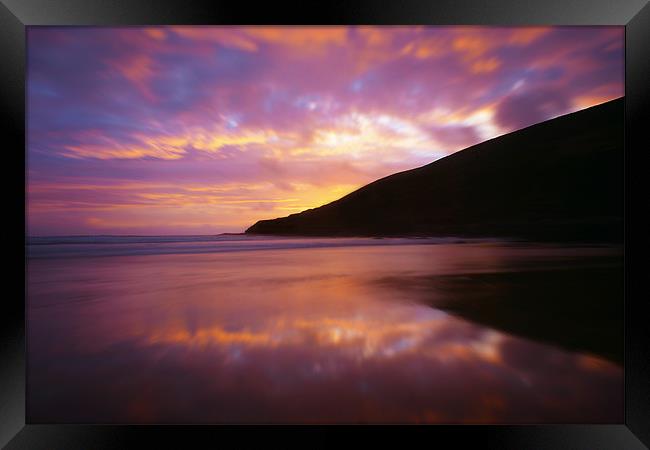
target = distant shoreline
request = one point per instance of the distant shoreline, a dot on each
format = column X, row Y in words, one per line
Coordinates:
column 53, row 236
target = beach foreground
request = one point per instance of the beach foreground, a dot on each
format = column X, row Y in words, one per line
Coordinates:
column 241, row 329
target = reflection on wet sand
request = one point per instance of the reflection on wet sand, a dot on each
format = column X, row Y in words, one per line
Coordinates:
column 302, row 335
column 577, row 307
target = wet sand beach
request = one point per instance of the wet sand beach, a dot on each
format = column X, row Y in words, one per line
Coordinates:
column 271, row 330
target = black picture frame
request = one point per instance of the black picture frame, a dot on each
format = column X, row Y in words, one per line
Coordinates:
column 15, row 15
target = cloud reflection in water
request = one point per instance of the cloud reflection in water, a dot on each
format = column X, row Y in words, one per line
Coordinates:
column 294, row 335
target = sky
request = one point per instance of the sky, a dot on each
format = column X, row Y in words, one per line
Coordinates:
column 203, row 130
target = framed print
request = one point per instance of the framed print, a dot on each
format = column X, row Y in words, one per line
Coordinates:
column 394, row 218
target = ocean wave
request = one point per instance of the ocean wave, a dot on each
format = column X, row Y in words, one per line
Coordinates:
column 91, row 246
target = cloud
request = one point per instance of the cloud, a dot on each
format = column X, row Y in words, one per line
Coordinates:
column 456, row 136
column 299, row 108
column 520, row 110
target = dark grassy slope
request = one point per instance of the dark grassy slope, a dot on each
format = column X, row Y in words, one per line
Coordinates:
column 560, row 179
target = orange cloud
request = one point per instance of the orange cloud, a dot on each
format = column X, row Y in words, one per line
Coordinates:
column 375, row 36
column 524, row 36
column 485, row 65
column 425, row 48
column 122, row 152
column 227, row 36
column 156, row 33
column 137, row 70
column 304, row 38
column 472, row 46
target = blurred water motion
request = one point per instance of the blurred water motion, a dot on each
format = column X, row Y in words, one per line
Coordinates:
column 311, row 331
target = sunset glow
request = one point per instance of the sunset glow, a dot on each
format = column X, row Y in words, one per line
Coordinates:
column 196, row 130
